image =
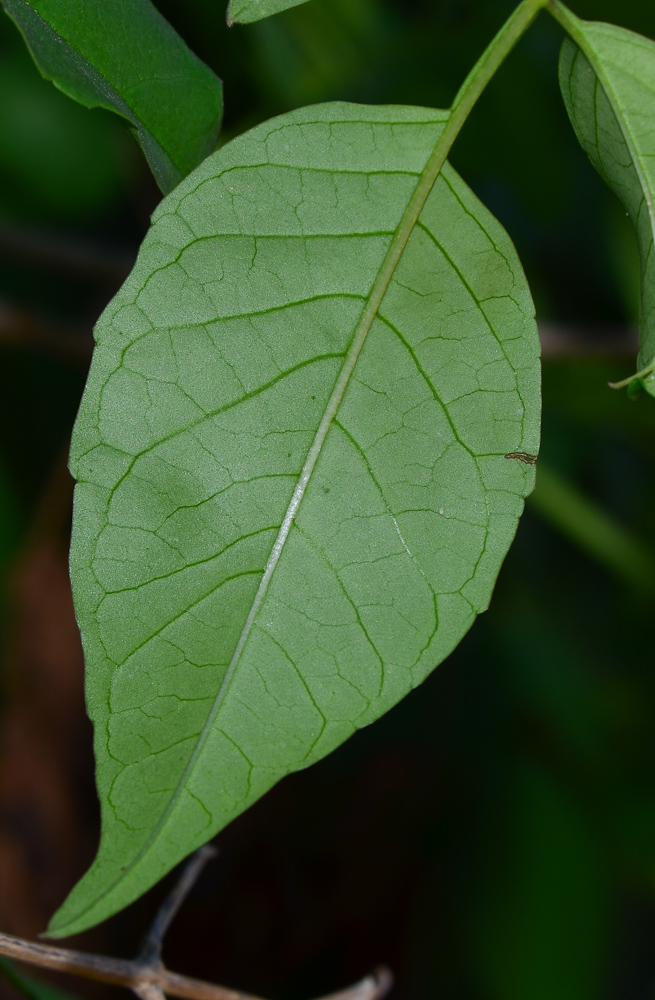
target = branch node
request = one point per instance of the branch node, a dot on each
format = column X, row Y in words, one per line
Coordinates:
column 372, row 987
column 147, row 990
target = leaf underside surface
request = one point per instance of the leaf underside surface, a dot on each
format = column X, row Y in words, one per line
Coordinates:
column 247, row 11
column 221, row 652
column 609, row 94
column 122, row 55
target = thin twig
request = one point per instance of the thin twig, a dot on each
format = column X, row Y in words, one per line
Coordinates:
column 147, row 976
column 67, row 254
column 150, row 953
column 569, row 340
column 118, row 971
column 141, row 978
column 22, row 329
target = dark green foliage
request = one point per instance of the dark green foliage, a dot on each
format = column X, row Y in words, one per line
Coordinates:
column 124, row 56
column 609, row 89
column 29, row 986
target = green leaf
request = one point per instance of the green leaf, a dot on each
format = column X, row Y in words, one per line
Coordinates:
column 247, row 11
column 607, row 76
column 122, row 55
column 293, row 492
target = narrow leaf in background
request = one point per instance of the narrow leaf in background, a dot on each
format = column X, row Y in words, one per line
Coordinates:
column 247, row 11
column 291, row 504
column 590, row 527
column 122, row 55
column 607, row 77
column 29, row 986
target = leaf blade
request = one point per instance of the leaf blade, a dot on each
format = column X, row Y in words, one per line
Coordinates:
column 126, row 58
column 607, row 78
column 249, row 11
column 285, row 283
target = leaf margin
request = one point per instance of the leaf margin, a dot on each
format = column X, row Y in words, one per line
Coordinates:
column 578, row 43
column 247, row 11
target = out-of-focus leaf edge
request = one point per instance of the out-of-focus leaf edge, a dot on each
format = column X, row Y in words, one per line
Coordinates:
column 578, row 45
column 86, row 85
column 249, row 11
column 29, row 986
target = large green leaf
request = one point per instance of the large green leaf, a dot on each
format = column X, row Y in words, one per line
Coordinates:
column 607, row 76
column 122, row 55
column 247, row 11
column 293, row 497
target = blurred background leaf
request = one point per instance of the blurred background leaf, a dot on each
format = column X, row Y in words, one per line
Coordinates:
column 56, row 159
column 9, row 520
column 125, row 57
column 29, row 986
column 247, row 11
column 594, row 531
column 494, row 836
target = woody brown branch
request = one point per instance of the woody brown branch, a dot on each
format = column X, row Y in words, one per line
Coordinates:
column 137, row 975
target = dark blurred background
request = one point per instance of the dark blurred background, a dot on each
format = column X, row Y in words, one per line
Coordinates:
column 493, row 837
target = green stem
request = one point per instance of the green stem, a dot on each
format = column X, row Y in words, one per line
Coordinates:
column 593, row 530
column 644, row 373
column 491, row 60
column 467, row 96
column 565, row 17
column 568, row 20
column 486, row 67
